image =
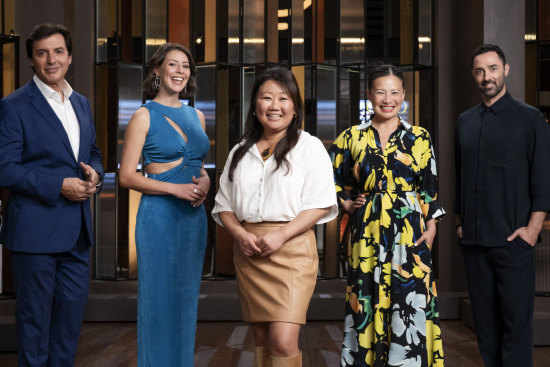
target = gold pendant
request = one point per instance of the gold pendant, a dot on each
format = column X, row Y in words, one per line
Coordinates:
column 267, row 153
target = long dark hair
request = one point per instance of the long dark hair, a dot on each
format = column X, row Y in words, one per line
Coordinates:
column 254, row 130
column 156, row 61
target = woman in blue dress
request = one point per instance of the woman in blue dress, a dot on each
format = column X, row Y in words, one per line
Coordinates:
column 171, row 223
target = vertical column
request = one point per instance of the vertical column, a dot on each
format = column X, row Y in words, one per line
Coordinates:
column 459, row 29
column 504, row 25
column 179, row 17
column 406, row 31
column 210, row 31
column 272, row 31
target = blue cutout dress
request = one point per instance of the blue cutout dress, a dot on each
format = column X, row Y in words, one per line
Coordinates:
column 170, row 240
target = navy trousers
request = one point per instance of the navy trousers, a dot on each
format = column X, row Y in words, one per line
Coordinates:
column 52, row 293
column 501, row 282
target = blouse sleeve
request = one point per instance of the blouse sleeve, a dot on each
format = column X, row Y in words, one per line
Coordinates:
column 223, row 200
column 431, row 208
column 318, row 191
column 342, row 164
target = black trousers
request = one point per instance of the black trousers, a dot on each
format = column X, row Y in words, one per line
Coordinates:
column 501, row 282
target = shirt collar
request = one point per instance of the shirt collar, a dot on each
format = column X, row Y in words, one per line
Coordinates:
column 498, row 106
column 49, row 92
column 402, row 123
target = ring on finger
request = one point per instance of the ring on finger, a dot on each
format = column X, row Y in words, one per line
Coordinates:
column 194, row 191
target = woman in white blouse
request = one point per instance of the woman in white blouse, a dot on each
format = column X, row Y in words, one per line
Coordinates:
column 277, row 183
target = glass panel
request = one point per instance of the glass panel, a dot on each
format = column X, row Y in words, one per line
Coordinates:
column 105, row 229
column 350, row 94
column 253, row 32
column 425, row 32
column 155, row 25
column 131, row 31
column 424, row 101
column 205, row 101
column 233, row 34
column 249, row 76
column 199, row 36
column 129, row 99
column 297, row 32
column 235, row 105
column 221, row 29
column 286, row 19
column 331, row 31
column 308, row 30
column 106, row 30
column 375, row 29
column 326, row 104
column 352, row 34
column 392, row 23
column 407, row 108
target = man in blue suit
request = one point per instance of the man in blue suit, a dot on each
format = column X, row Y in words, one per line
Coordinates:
column 50, row 163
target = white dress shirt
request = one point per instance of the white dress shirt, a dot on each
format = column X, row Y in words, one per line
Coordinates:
column 64, row 111
column 260, row 194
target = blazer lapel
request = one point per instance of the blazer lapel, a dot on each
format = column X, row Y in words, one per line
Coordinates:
column 82, row 118
column 44, row 108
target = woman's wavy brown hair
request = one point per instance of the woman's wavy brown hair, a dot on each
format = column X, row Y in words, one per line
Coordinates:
column 156, row 61
column 253, row 128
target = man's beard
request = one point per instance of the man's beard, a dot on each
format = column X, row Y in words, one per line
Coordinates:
column 490, row 93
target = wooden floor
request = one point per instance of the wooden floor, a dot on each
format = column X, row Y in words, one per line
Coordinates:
column 230, row 344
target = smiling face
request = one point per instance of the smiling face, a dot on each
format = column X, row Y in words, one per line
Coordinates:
column 174, row 72
column 274, row 107
column 386, row 95
column 50, row 60
column 489, row 73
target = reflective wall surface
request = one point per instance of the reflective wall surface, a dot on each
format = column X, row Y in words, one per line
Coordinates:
column 327, row 44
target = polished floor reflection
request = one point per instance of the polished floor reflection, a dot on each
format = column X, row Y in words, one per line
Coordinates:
column 230, row 344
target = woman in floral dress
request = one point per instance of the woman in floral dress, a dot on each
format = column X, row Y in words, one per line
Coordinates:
column 392, row 317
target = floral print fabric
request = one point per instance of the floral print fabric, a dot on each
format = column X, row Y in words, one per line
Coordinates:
column 391, row 300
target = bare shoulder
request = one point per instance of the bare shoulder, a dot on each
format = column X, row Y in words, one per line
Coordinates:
column 140, row 118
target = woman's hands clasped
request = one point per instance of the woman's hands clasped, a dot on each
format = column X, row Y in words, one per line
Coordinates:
column 194, row 192
column 250, row 245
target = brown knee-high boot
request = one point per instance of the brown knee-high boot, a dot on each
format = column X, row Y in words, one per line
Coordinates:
column 295, row 361
column 263, row 358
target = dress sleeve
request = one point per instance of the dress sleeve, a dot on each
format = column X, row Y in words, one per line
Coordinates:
column 540, row 166
column 431, row 208
column 318, row 191
column 224, row 197
column 342, row 165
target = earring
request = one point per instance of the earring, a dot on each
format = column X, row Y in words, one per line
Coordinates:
column 254, row 113
column 157, row 82
column 185, row 90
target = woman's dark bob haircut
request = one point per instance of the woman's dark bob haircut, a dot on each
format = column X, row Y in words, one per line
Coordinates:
column 156, row 61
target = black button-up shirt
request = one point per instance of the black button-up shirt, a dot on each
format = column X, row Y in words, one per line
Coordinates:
column 502, row 156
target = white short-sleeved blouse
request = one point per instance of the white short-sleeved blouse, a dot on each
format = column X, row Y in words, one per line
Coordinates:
column 260, row 194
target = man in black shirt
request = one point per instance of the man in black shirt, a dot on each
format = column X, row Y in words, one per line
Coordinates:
column 502, row 152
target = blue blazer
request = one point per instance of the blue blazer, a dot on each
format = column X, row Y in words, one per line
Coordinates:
column 35, row 157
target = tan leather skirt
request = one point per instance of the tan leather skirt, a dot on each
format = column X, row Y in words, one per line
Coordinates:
column 277, row 287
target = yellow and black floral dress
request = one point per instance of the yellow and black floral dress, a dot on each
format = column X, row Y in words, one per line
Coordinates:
column 392, row 317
